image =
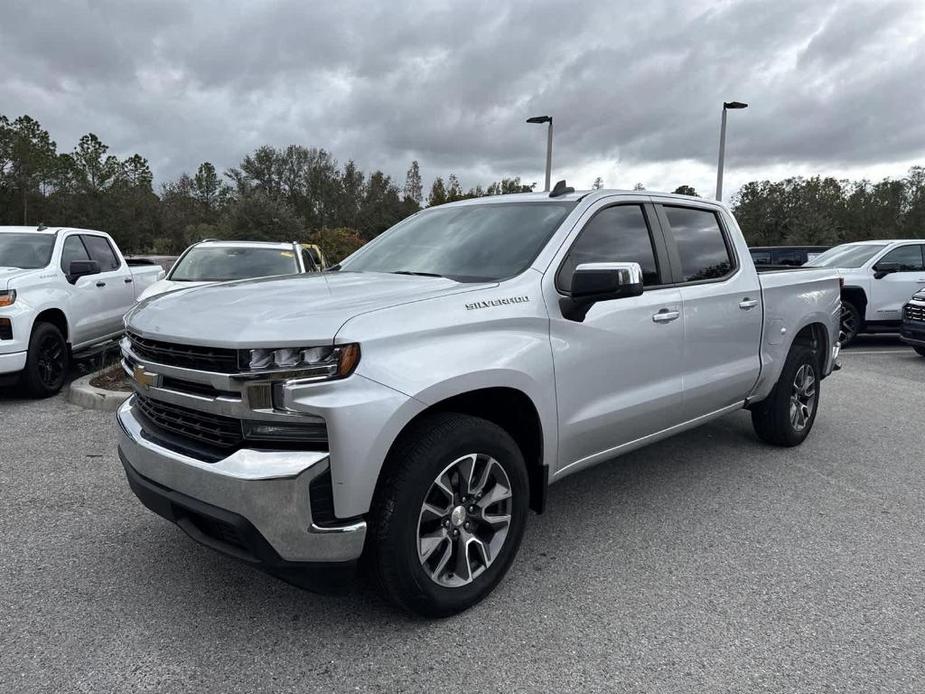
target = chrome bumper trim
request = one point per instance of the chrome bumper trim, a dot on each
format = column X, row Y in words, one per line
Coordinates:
column 268, row 488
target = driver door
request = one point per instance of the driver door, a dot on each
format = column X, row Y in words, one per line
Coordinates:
column 617, row 371
column 901, row 274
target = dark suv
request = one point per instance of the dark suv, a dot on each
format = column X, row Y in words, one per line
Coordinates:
column 792, row 256
column 912, row 329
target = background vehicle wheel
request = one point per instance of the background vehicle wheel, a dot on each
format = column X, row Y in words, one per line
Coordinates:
column 786, row 417
column 47, row 362
column 920, row 350
column 851, row 321
column 449, row 514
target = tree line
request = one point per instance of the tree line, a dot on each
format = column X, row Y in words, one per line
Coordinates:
column 304, row 193
column 292, row 193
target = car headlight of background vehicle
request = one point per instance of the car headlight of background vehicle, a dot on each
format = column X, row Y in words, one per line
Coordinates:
column 329, row 362
column 7, row 297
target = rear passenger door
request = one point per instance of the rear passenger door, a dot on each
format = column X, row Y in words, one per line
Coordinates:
column 617, row 371
column 722, row 311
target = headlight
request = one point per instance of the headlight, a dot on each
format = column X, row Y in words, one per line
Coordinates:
column 7, row 297
column 327, row 362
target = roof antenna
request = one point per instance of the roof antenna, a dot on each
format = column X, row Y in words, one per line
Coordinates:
column 41, row 227
column 561, row 189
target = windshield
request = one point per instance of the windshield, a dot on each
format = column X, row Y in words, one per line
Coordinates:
column 26, row 251
column 223, row 263
column 847, row 255
column 470, row 243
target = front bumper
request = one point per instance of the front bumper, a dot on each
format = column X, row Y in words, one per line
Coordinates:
column 263, row 495
column 913, row 332
column 12, row 363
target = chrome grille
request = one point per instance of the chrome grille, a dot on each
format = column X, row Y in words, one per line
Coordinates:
column 210, row 429
column 914, row 312
column 214, row 359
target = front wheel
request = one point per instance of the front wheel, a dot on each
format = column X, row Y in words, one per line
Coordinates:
column 786, row 416
column 47, row 361
column 919, row 350
column 449, row 514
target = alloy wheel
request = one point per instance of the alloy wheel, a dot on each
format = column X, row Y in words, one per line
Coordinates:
column 849, row 325
column 803, row 397
column 464, row 520
column 51, row 361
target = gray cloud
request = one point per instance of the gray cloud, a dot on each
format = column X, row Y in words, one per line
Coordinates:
column 829, row 84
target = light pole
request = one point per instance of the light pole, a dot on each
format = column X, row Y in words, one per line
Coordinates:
column 722, row 146
column 546, row 119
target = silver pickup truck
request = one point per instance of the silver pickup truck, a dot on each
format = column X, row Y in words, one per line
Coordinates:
column 412, row 405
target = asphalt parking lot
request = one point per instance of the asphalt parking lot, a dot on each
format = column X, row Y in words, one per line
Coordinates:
column 709, row 562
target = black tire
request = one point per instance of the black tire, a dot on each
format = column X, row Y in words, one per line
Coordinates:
column 773, row 418
column 419, row 458
column 47, row 362
column 919, row 350
column 851, row 323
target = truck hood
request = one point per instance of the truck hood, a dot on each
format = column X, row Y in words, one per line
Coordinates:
column 288, row 311
column 162, row 286
column 11, row 274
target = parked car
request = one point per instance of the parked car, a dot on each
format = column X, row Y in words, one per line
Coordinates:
column 62, row 292
column 165, row 261
column 208, row 262
column 879, row 277
column 791, row 256
column 416, row 401
column 912, row 329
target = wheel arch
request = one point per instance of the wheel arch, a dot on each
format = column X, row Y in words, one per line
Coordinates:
column 815, row 336
column 512, row 410
column 856, row 296
column 56, row 317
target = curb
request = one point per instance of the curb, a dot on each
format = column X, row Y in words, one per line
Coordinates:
column 83, row 394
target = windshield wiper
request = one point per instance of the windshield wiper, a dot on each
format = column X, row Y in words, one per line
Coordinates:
column 417, row 274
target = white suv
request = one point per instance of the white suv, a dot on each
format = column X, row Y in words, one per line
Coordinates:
column 878, row 279
column 210, row 261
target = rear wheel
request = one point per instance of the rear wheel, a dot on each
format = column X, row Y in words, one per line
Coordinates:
column 786, row 417
column 47, row 361
column 449, row 514
column 920, row 350
column 851, row 322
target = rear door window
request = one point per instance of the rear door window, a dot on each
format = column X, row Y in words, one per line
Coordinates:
column 101, row 252
column 701, row 244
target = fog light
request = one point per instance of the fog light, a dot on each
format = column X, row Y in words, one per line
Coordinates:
column 316, row 432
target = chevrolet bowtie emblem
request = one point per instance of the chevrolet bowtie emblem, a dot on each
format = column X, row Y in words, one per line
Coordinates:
column 145, row 379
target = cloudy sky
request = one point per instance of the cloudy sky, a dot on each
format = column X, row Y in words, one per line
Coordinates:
column 636, row 89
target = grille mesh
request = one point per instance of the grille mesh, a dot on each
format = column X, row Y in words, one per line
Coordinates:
column 914, row 312
column 213, row 359
column 213, row 430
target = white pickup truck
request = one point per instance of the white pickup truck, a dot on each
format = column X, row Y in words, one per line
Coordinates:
column 413, row 404
column 62, row 291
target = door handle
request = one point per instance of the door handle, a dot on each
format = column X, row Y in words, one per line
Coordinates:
column 748, row 304
column 100, row 284
column 665, row 316
column 127, row 280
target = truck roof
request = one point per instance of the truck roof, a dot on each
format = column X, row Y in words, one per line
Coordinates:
column 588, row 195
column 880, row 242
column 44, row 230
column 287, row 245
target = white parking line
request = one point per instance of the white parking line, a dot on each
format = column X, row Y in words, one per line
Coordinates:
column 897, row 350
